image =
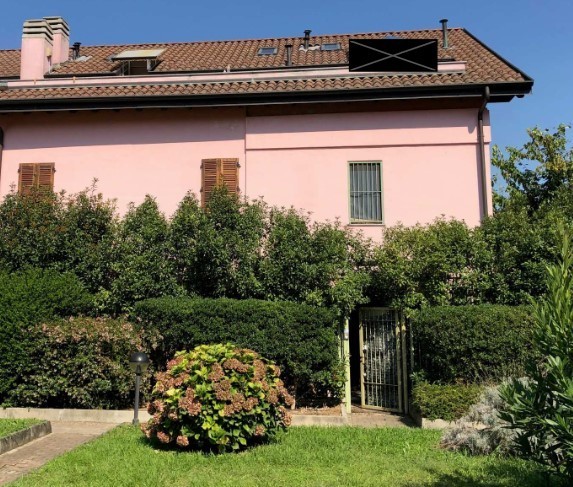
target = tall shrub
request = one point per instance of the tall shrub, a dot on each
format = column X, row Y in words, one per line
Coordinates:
column 142, row 264
column 438, row 264
column 217, row 249
column 87, row 233
column 30, row 230
column 541, row 409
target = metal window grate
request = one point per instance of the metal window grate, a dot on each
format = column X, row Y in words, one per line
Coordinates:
column 365, row 192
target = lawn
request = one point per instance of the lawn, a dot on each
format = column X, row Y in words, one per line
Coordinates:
column 9, row 426
column 303, row 457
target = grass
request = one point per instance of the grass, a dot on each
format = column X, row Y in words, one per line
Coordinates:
column 303, row 457
column 9, row 426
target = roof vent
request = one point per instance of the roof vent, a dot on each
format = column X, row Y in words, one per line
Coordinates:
column 444, row 23
column 307, row 38
column 76, row 50
column 288, row 60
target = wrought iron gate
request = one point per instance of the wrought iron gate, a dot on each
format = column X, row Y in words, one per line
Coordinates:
column 383, row 361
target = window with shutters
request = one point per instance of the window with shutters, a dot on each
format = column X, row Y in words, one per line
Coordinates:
column 365, row 192
column 217, row 172
column 36, row 176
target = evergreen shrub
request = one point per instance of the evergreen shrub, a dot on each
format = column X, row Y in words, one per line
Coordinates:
column 218, row 397
column 473, row 344
column 301, row 339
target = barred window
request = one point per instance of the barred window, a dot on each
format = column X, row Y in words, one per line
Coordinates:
column 365, row 192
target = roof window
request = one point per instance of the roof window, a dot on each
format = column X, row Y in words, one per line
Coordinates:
column 137, row 61
column 267, row 51
column 330, row 46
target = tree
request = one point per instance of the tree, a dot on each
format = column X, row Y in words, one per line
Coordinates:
column 540, row 408
column 539, row 171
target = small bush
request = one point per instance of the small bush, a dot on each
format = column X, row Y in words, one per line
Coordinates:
column 447, row 402
column 301, row 339
column 218, row 397
column 473, row 344
column 26, row 298
column 82, row 363
column 482, row 431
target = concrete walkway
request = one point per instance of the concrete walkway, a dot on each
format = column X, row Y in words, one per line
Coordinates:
column 65, row 436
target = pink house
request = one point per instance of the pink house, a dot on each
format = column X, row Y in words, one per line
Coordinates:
column 284, row 119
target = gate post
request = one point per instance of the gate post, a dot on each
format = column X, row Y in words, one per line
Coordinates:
column 345, row 349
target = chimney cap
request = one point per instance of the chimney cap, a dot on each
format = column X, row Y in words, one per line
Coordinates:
column 37, row 28
column 58, row 24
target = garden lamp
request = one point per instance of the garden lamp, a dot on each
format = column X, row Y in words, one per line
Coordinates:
column 138, row 361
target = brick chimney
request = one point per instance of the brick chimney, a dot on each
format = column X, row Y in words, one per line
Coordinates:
column 61, row 32
column 37, row 49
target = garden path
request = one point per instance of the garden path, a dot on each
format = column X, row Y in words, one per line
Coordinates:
column 65, row 436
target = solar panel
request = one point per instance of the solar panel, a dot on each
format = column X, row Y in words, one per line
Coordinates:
column 393, row 55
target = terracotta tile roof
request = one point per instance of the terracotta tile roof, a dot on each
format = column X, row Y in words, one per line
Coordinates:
column 9, row 63
column 483, row 66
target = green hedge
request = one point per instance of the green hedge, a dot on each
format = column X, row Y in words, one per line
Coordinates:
column 447, row 402
column 82, row 363
column 301, row 339
column 485, row 343
column 26, row 298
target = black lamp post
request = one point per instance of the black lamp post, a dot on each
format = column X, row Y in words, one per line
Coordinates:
column 138, row 362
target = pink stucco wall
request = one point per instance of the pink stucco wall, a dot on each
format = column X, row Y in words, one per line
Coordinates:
column 429, row 158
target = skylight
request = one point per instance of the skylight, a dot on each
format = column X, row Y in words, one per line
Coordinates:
column 267, row 51
column 330, row 46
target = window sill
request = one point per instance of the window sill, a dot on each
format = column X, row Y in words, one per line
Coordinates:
column 366, row 224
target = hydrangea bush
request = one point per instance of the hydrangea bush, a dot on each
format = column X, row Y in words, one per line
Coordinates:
column 218, row 397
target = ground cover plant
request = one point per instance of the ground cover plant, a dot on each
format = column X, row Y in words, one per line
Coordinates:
column 444, row 401
column 353, row 457
column 9, row 426
column 218, row 397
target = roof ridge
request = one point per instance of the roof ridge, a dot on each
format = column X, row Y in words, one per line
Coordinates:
column 258, row 39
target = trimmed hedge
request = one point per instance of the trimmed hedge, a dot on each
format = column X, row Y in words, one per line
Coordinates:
column 26, row 298
column 82, row 363
column 477, row 344
column 447, row 402
column 301, row 339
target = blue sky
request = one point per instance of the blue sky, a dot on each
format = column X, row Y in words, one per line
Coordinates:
column 535, row 35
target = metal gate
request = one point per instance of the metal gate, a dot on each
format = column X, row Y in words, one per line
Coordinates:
column 383, row 360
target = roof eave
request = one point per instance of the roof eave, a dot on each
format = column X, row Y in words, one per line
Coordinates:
column 500, row 92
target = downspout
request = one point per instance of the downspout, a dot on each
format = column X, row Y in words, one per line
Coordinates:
column 483, row 162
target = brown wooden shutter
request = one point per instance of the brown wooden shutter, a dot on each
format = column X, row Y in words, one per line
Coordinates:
column 209, row 178
column 230, row 174
column 215, row 172
column 37, row 175
column 26, row 178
